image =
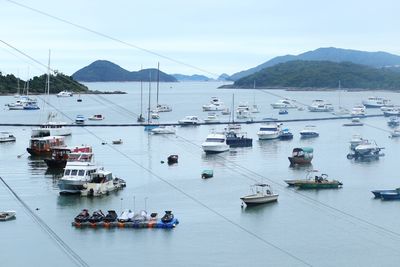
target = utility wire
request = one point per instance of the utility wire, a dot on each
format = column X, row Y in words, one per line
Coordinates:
column 111, row 37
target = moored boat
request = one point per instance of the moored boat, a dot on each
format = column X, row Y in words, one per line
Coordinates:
column 215, row 143
column 215, row 105
column 7, row 215
column 261, row 194
column 189, row 120
column 237, row 139
column 41, row 146
column 378, row 193
column 315, row 182
column 205, row 174
column 286, row 135
column 284, row 104
column 354, row 122
column 65, row 94
column 308, row 132
column 102, row 183
column 167, row 129
column 375, row 102
column 80, row 119
column 393, row 122
column 96, row 117
column 301, row 156
column 7, row 137
column 59, row 155
column 319, row 105
column 269, row 131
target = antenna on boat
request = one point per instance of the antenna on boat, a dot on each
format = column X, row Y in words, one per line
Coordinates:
column 134, row 204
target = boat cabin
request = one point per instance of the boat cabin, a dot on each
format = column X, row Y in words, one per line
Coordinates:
column 43, row 145
column 101, row 176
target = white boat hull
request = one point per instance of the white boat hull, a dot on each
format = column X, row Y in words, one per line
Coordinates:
column 279, row 106
column 7, row 215
column 267, row 135
column 63, row 131
column 213, row 148
column 259, row 199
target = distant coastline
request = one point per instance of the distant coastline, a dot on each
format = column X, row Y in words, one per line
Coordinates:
column 308, row 89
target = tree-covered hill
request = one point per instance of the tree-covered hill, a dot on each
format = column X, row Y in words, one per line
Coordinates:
column 322, row 74
column 58, row 82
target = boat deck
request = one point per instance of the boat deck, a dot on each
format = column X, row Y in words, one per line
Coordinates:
column 136, row 225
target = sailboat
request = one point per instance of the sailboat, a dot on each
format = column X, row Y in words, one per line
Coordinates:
column 50, row 128
column 254, row 108
column 149, row 126
column 342, row 110
column 231, row 125
column 141, row 118
column 160, row 107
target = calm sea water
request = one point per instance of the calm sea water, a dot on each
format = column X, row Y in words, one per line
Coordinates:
column 344, row 227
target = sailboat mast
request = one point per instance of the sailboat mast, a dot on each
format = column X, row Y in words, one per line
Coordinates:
column 233, row 108
column 47, row 90
column 148, row 110
column 141, row 93
column 158, row 81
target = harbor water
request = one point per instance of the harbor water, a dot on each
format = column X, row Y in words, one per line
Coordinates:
column 340, row 227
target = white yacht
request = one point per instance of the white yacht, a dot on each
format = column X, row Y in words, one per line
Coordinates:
column 7, row 137
column 319, row 105
column 269, row 131
column 375, row 102
column 215, row 143
column 189, row 120
column 19, row 103
column 358, row 110
column 163, row 130
column 215, row 105
column 154, row 115
column 309, row 131
column 391, row 111
column 243, row 111
column 163, row 108
column 77, row 172
column 355, row 140
column 284, row 104
column 65, row 94
column 51, row 128
column 212, row 117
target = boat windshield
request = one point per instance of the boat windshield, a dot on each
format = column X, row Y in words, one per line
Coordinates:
column 268, row 129
column 215, row 140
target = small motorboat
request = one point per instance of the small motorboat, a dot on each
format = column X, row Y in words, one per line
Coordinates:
column 189, row 120
column 354, row 122
column 212, row 117
column 261, row 193
column 155, row 115
column 284, row 104
column 393, row 122
column 316, row 182
column 356, row 139
column 168, row 217
column 64, row 94
column 7, row 215
column 366, row 150
column 83, row 216
column 80, row 119
column 172, row 159
column 96, row 117
column 269, row 131
column 285, row 135
column 140, row 118
column 97, row 216
column 207, row 174
column 394, row 134
column 309, row 132
column 283, row 112
column 377, row 193
column 7, row 137
column 226, row 111
column 117, row 142
column 301, row 156
column 126, row 216
column 163, row 129
column 111, row 216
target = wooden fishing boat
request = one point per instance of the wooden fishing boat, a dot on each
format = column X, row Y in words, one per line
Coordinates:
column 301, row 156
column 315, row 182
column 42, row 146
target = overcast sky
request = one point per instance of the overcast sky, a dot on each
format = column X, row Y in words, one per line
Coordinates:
column 215, row 35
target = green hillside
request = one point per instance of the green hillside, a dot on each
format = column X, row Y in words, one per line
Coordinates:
column 322, row 74
column 58, row 82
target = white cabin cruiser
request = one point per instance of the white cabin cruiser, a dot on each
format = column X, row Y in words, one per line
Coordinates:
column 212, row 117
column 309, row 131
column 65, row 94
column 243, row 111
column 7, row 137
column 284, row 104
column 269, row 131
column 163, row 108
column 102, row 182
column 319, row 105
column 375, row 102
column 215, row 105
column 215, row 143
column 51, row 129
column 189, row 120
column 167, row 129
column 7, row 215
column 77, row 172
column 358, row 110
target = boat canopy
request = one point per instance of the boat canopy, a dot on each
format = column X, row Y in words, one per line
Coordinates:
column 305, row 149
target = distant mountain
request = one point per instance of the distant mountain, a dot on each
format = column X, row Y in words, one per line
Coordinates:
column 106, row 71
column 322, row 74
column 372, row 59
column 193, row 78
column 224, row 77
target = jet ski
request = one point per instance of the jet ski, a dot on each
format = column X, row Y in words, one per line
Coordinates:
column 168, row 217
column 126, row 216
column 97, row 216
column 111, row 216
column 83, row 216
column 140, row 217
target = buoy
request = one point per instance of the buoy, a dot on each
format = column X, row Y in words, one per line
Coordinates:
column 162, row 162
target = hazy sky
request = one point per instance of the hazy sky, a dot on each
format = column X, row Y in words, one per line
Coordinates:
column 214, row 35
